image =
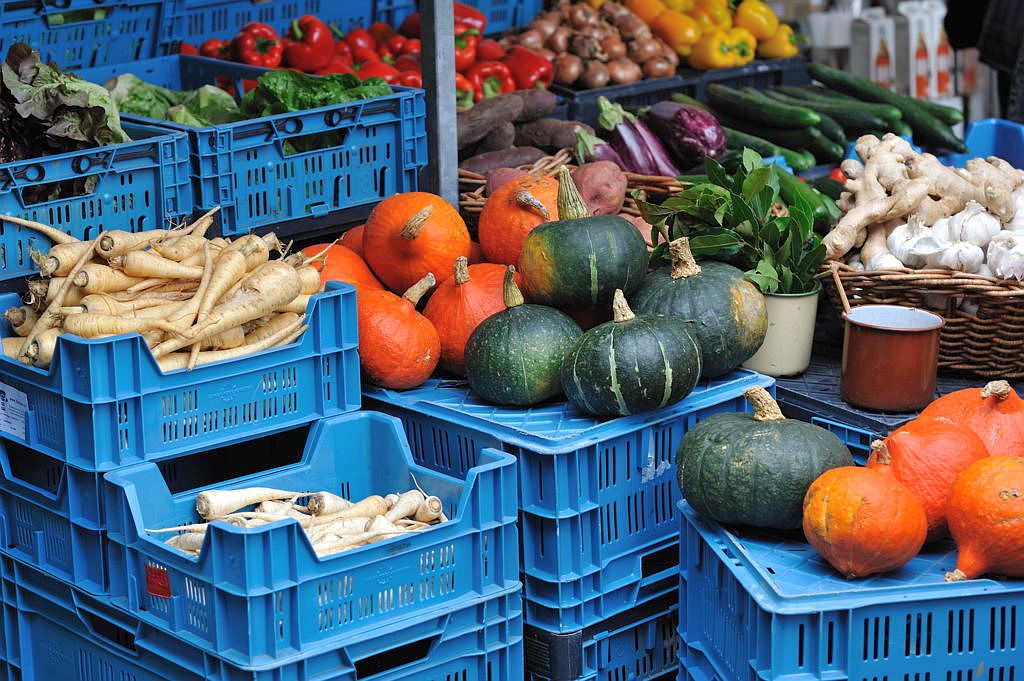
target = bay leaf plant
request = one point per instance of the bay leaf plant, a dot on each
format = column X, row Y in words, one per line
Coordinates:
column 735, row 218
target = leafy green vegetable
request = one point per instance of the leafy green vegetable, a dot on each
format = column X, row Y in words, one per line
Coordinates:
column 280, row 92
column 212, row 105
column 135, row 96
column 736, row 218
column 200, row 108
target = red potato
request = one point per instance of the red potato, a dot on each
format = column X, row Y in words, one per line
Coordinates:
column 602, row 184
column 641, row 225
column 499, row 177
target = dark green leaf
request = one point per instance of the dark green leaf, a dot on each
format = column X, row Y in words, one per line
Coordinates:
column 751, row 159
column 716, row 173
column 719, row 242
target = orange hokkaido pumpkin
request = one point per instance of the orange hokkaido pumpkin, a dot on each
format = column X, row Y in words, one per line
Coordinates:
column 927, row 456
column 995, row 413
column 409, row 235
column 460, row 303
column 398, row 347
column 863, row 521
column 341, row 264
column 476, row 254
column 353, row 240
column 986, row 518
column 511, row 212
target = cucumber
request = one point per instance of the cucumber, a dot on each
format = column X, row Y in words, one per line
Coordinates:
column 760, row 108
column 680, row 98
column 822, row 148
column 829, row 187
column 793, row 190
column 847, row 115
column 946, row 114
column 828, row 126
column 796, row 160
column 927, row 128
column 901, row 128
column 831, row 98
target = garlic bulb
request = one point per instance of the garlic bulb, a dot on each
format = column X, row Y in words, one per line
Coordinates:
column 903, row 238
column 854, row 262
column 940, row 231
column 960, row 256
column 985, row 270
column 1006, row 255
column 974, row 225
column 884, row 261
column 1017, row 223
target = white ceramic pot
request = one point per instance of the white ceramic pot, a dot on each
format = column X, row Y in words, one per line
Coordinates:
column 786, row 350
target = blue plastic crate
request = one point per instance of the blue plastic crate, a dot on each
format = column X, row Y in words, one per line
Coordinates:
column 637, row 645
column 991, row 137
column 766, row 607
column 245, row 167
column 260, row 594
column 139, row 185
column 82, row 33
column 598, row 495
column 104, row 403
column 67, row 634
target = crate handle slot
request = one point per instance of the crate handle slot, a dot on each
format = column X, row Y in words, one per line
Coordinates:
column 396, row 657
column 22, row 465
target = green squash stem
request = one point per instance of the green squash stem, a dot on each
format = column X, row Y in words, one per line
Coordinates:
column 415, row 225
column 620, row 308
column 461, row 270
column 765, row 406
column 570, row 202
column 513, row 296
column 998, row 389
column 683, row 264
column 419, row 289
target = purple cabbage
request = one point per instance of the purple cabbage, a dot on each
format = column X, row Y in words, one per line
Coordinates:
column 691, row 133
column 592, row 148
column 639, row 148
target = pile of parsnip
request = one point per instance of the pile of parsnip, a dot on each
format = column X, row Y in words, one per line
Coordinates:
column 331, row 523
column 194, row 300
column 909, row 210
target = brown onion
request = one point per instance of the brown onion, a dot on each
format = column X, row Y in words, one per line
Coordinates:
column 581, row 16
column 544, row 27
column 559, row 40
column 624, row 71
column 595, row 75
column 643, row 49
column 614, row 48
column 568, row 68
column 658, row 67
column 530, row 39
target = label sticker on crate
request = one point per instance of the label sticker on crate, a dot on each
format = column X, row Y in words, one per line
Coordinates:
column 158, row 583
column 13, row 411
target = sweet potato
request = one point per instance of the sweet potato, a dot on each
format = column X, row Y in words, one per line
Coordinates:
column 500, row 138
column 485, row 116
column 641, row 225
column 536, row 104
column 506, row 158
column 602, row 185
column 548, row 133
column 499, row 177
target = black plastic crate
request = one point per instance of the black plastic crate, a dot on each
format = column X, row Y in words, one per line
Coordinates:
column 760, row 74
column 581, row 105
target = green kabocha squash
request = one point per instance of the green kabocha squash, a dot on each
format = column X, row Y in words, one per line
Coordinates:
column 579, row 260
column 515, row 356
column 726, row 313
column 631, row 364
column 754, row 469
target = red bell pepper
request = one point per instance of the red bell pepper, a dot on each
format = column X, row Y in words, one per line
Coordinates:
column 529, row 69
column 360, row 37
column 379, row 69
column 837, row 176
column 466, row 40
column 341, row 49
column 490, row 78
column 311, row 46
column 395, row 43
column 464, row 14
column 408, row 62
column 490, row 50
column 412, row 46
column 361, row 54
column 188, row 48
column 463, row 91
column 385, row 54
column 258, row 45
column 382, row 31
column 216, row 48
column 409, row 79
column 336, row 65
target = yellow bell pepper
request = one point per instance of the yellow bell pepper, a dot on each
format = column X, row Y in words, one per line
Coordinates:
column 678, row 30
column 782, row 45
column 683, row 6
column 596, row 4
column 745, row 44
column 758, row 18
column 713, row 51
column 648, row 10
column 717, row 11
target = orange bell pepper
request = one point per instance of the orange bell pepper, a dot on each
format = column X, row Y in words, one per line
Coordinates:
column 717, row 11
column 648, row 10
column 678, row 30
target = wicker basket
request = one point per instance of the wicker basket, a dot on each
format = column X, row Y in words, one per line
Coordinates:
column 984, row 332
column 653, row 187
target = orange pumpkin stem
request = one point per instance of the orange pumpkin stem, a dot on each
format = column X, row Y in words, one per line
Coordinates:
column 525, row 199
column 998, row 389
column 881, row 451
column 570, row 203
column 683, row 264
column 461, row 270
column 419, row 289
column 415, row 224
column 620, row 308
column 765, row 406
column 513, row 296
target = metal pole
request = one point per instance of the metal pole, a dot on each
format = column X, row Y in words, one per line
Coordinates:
column 442, row 174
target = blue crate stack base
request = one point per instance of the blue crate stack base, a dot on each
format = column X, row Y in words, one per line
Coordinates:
column 597, row 519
